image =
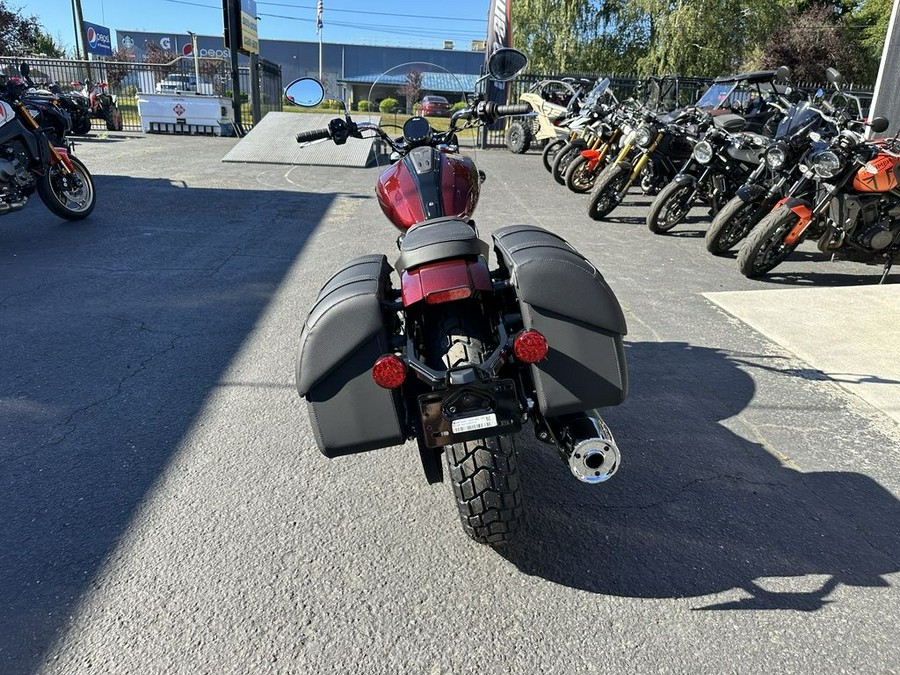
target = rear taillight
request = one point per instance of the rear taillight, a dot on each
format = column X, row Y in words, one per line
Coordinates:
column 530, row 346
column 450, row 295
column 389, row 371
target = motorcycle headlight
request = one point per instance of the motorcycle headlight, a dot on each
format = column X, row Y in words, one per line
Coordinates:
column 703, row 152
column 644, row 137
column 776, row 157
column 826, row 164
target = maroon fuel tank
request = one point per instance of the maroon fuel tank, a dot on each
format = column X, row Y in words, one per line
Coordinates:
column 426, row 184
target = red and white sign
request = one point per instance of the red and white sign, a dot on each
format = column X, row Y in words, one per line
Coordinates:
column 178, row 109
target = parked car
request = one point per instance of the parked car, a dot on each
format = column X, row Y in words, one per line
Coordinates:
column 182, row 83
column 434, row 106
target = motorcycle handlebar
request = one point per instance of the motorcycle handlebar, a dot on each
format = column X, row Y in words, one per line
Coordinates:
column 314, row 135
column 513, row 109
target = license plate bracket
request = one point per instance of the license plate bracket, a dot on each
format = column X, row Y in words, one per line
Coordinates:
column 470, row 412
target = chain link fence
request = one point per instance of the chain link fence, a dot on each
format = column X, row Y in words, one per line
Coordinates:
column 128, row 80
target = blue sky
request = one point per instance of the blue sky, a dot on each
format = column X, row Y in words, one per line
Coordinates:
column 387, row 22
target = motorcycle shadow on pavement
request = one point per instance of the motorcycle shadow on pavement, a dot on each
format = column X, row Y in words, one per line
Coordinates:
column 695, row 509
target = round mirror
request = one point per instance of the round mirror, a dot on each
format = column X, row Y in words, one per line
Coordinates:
column 307, row 92
column 783, row 73
column 879, row 124
column 24, row 68
column 505, row 63
column 834, row 77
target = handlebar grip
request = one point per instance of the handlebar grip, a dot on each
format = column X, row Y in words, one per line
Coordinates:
column 314, row 135
column 514, row 109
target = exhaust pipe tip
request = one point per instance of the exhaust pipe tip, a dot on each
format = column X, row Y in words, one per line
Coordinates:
column 594, row 460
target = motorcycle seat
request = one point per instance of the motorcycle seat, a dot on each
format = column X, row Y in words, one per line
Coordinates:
column 730, row 122
column 439, row 239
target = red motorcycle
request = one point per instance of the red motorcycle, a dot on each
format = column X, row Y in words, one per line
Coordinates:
column 461, row 356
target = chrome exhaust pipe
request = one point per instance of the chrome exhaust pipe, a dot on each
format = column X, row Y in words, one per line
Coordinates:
column 590, row 449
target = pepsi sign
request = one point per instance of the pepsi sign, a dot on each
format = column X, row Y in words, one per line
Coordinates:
column 98, row 39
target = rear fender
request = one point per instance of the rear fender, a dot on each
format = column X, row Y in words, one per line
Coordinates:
column 445, row 281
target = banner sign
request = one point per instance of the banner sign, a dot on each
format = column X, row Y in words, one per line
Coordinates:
column 499, row 35
column 99, row 40
column 249, row 34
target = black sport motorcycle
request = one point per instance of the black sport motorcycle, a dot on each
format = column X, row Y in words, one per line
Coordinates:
column 720, row 161
column 29, row 161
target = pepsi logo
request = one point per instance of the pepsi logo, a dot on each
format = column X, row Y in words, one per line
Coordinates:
column 187, row 50
column 92, row 36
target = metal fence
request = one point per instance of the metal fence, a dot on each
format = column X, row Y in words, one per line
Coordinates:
column 127, row 80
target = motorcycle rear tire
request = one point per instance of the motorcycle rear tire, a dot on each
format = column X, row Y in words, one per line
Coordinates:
column 765, row 249
column 732, row 224
column 550, row 150
column 669, row 208
column 518, row 138
column 54, row 187
column 605, row 196
column 483, row 473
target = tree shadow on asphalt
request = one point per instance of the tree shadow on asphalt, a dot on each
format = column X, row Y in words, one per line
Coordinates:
column 115, row 330
column 697, row 510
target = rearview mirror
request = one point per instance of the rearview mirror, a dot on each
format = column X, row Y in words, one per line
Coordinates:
column 307, row 92
column 879, row 124
column 783, row 74
column 505, row 63
column 834, row 77
column 24, row 68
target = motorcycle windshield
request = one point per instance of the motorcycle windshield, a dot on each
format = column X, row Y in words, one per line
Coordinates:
column 800, row 116
column 594, row 96
column 716, row 95
column 419, row 88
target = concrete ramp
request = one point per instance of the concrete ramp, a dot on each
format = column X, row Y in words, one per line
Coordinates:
column 272, row 141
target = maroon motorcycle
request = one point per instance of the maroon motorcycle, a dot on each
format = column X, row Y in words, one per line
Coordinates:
column 460, row 356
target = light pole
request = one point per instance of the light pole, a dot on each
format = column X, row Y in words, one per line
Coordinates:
column 196, row 60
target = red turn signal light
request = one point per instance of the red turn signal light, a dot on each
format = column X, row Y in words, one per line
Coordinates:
column 530, row 346
column 389, row 371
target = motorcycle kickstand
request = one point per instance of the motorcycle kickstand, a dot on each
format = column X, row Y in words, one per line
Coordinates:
column 887, row 270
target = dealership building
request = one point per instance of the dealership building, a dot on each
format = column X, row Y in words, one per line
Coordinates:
column 347, row 70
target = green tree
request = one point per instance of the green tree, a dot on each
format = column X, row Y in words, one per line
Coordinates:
column 809, row 42
column 871, row 22
column 21, row 34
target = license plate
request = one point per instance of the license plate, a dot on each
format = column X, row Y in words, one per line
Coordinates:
column 467, row 424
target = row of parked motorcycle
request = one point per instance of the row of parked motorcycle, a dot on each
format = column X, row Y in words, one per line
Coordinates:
column 71, row 111
column 35, row 153
column 774, row 165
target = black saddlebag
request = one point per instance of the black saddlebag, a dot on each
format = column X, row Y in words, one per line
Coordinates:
column 343, row 336
column 563, row 296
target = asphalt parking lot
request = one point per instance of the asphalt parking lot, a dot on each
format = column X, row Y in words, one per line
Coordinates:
column 163, row 507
